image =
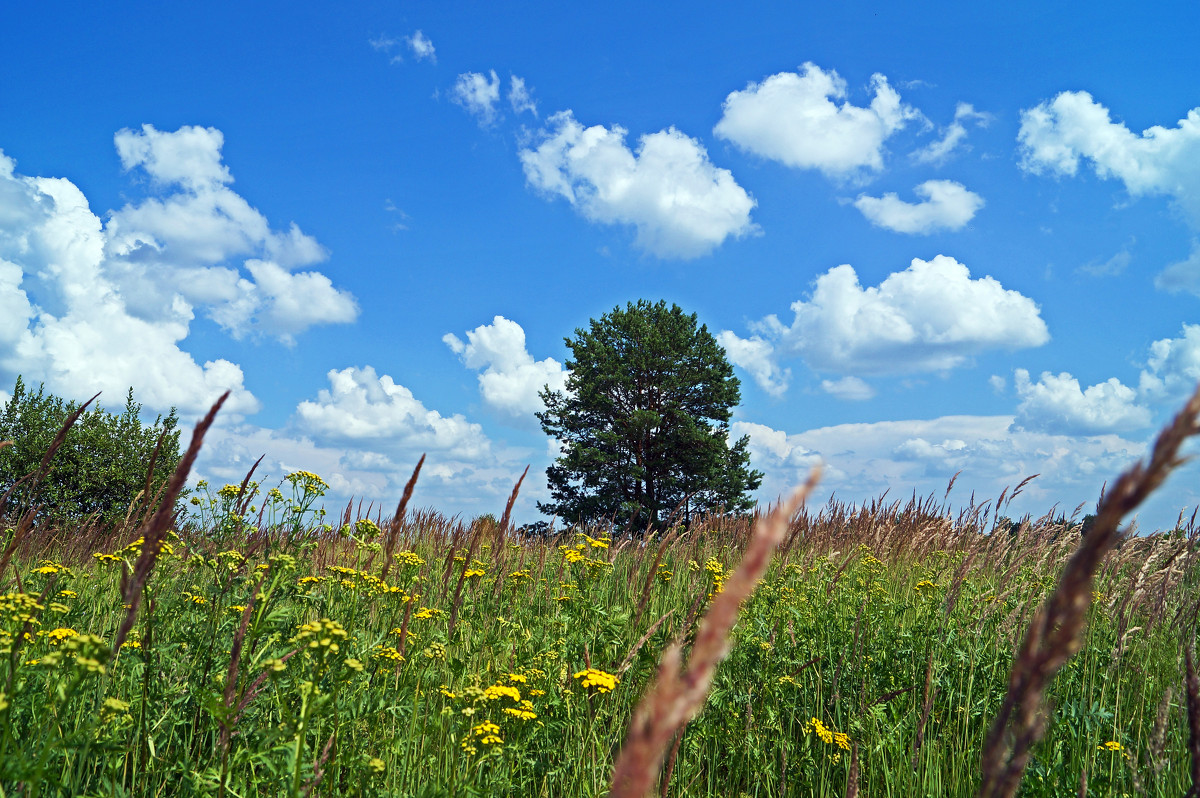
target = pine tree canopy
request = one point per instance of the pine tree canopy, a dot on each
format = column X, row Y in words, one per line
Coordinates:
column 644, row 423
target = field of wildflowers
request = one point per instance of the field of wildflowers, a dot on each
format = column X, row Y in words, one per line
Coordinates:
column 269, row 650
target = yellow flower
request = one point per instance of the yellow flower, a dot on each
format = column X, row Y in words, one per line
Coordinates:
column 500, row 691
column 1111, row 745
column 592, row 677
column 410, row 558
column 524, row 712
column 815, row 725
column 488, row 733
column 367, row 529
column 308, row 481
column 58, row 635
column 827, row 735
column 230, row 491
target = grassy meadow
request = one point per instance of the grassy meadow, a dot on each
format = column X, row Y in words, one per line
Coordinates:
column 272, row 656
column 260, row 648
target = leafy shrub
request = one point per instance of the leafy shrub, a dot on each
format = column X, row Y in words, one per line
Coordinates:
column 101, row 468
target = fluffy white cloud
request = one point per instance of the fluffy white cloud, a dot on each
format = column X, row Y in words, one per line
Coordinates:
column 64, row 320
column 920, row 456
column 421, row 47
column 1058, row 135
column 756, row 356
column 479, row 94
column 945, row 205
column 284, row 303
column 850, row 389
column 364, row 434
column 680, row 203
column 510, row 379
column 953, row 137
column 168, row 254
column 1173, row 366
column 190, row 156
column 930, row 317
column 804, row 120
column 361, row 406
column 519, row 97
column 1056, row 404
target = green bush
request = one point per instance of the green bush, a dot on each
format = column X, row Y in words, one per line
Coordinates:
column 99, row 471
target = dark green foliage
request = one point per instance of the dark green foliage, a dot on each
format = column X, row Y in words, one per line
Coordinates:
column 644, row 422
column 100, row 469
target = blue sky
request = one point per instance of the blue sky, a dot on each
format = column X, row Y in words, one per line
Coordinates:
column 933, row 238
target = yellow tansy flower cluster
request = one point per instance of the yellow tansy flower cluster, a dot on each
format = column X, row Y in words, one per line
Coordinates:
column 602, row 681
column 827, row 735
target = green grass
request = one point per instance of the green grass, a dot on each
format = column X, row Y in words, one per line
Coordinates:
column 346, row 684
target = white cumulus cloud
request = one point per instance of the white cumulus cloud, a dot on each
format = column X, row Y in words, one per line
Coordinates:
column 509, row 378
column 1057, row 404
column 65, row 321
column 360, row 405
column 757, row 356
column 932, row 316
column 177, row 251
column 945, row 205
column 680, row 203
column 1173, row 367
column 1059, row 135
column 284, row 303
column 804, row 120
column 479, row 94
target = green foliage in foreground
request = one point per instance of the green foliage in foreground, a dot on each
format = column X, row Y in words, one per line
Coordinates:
column 345, row 684
column 100, row 471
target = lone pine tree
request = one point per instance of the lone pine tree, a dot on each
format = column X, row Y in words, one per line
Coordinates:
column 644, row 422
